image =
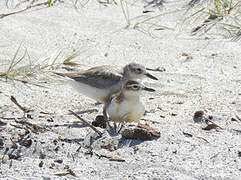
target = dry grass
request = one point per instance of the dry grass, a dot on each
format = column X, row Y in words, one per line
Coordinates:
column 20, row 67
column 215, row 18
column 201, row 18
column 47, row 3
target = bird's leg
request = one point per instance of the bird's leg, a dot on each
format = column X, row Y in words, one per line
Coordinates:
column 106, row 118
column 115, row 127
column 120, row 126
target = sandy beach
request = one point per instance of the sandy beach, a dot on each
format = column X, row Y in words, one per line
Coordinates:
column 196, row 73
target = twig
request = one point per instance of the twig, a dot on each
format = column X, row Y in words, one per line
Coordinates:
column 48, row 113
column 160, row 69
column 187, row 134
column 215, row 155
column 117, row 159
column 69, row 172
column 31, row 6
column 86, row 111
column 13, row 99
column 79, row 148
column 202, row 138
column 15, row 146
column 6, row 118
column 16, row 126
column 86, row 123
column 33, row 127
column 110, row 158
column 238, row 117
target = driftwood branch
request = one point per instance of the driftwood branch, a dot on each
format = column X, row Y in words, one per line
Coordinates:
column 86, row 123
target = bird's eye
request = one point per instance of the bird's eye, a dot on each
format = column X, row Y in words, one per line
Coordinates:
column 138, row 70
column 135, row 87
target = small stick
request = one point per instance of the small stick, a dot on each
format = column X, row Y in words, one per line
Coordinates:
column 238, row 117
column 15, row 146
column 86, row 111
column 110, row 158
column 31, row 6
column 13, row 99
column 86, row 123
column 16, row 126
column 33, row 127
column 9, row 118
column 117, row 159
column 202, row 138
column 215, row 155
column 69, row 172
column 156, row 69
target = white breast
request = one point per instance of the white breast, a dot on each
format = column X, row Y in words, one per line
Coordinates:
column 127, row 111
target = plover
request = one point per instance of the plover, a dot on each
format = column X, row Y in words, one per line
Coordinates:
column 100, row 82
column 126, row 105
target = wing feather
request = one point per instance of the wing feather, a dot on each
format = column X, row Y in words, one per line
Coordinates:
column 99, row 77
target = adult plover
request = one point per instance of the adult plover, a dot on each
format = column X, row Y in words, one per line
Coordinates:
column 100, row 82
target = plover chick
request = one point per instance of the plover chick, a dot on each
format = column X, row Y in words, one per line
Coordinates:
column 100, row 82
column 126, row 105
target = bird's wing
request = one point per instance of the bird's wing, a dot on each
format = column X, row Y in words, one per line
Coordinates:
column 99, row 77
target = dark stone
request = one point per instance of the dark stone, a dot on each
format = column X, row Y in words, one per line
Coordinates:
column 41, row 164
column 13, row 156
column 27, row 143
column 239, row 153
column 99, row 122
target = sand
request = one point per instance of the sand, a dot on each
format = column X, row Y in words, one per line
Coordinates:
column 200, row 74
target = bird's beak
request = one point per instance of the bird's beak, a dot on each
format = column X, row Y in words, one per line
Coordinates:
column 148, row 89
column 151, row 76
